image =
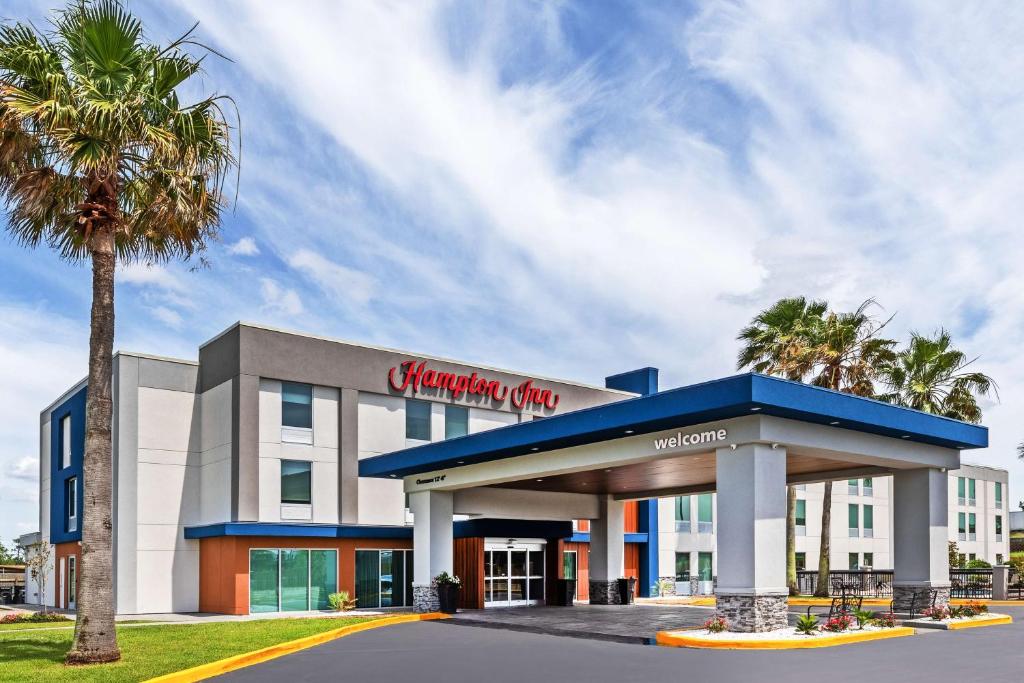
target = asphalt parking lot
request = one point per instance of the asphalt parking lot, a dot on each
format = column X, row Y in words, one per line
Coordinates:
column 436, row 651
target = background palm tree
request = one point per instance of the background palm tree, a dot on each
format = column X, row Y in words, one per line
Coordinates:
column 931, row 376
column 776, row 343
column 101, row 161
column 803, row 341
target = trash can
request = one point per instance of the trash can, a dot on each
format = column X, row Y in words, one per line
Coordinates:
column 566, row 592
column 626, row 588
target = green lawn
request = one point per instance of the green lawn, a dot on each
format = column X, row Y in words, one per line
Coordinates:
column 149, row 651
column 70, row 623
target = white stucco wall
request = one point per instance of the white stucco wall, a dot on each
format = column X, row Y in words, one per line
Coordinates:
column 215, row 454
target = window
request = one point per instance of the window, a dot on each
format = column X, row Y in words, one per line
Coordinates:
column 971, row 527
column 71, row 502
column 971, row 557
column 417, row 420
column 869, row 561
column 999, row 558
column 853, row 565
column 291, row 580
column 999, row 495
column 383, row 578
column 296, row 405
column 705, row 518
column 961, row 526
column 683, row 513
column 456, row 421
column 800, row 487
column 961, row 491
column 801, row 517
column 971, row 500
column 999, row 527
column 65, row 441
column 868, row 486
column 704, row 566
column 869, row 521
column 683, row 567
column 72, row 579
column 801, row 561
column 296, row 480
column 854, row 524
column 851, row 487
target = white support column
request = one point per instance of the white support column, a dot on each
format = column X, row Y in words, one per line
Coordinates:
column 751, row 485
column 432, row 545
column 920, row 539
column 607, row 536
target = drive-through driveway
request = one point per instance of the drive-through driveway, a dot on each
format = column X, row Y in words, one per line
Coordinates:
column 436, row 651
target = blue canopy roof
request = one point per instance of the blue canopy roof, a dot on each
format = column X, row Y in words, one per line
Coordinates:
column 691, row 405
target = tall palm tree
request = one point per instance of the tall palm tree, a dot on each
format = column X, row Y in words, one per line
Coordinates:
column 849, row 356
column 100, row 160
column 804, row 341
column 932, row 376
column 777, row 342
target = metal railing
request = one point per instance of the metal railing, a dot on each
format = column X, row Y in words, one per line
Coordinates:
column 970, row 583
column 867, row 583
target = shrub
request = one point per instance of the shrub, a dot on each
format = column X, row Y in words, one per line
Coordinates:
column 973, row 609
column 863, row 617
column 716, row 624
column 885, row 620
column 32, row 618
column 977, row 564
column 959, row 612
column 340, row 601
column 838, row 624
column 936, row 613
column 807, row 624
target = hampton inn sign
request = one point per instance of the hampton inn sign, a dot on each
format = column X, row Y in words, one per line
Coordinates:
column 416, row 375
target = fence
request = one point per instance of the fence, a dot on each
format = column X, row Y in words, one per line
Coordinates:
column 867, row 583
column 970, row 583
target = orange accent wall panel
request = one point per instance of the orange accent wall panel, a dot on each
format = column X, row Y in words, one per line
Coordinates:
column 631, row 560
column 224, row 565
column 632, row 514
column 582, row 567
column 583, row 525
column 61, row 551
column 468, row 563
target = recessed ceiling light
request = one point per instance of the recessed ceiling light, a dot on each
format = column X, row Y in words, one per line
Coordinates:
column 905, row 436
column 462, row 462
column 834, row 422
column 607, row 470
column 755, row 408
column 392, row 475
column 540, row 480
column 629, row 431
column 534, row 449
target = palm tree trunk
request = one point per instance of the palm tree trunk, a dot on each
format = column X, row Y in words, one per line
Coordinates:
column 821, row 590
column 95, row 638
column 791, row 540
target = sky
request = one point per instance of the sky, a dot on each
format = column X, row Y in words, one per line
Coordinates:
column 573, row 189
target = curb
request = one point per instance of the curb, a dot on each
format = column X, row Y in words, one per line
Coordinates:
column 994, row 620
column 223, row 666
column 675, row 639
column 827, row 602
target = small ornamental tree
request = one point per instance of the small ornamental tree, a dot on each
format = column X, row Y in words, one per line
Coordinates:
column 38, row 565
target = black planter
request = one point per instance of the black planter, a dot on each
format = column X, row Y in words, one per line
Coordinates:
column 566, row 592
column 448, row 596
column 626, row 588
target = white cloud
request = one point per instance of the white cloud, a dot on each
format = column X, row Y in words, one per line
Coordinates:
column 142, row 274
column 340, row 283
column 279, row 300
column 168, row 317
column 26, row 468
column 246, row 246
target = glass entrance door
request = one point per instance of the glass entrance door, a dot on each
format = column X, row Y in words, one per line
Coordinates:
column 513, row 576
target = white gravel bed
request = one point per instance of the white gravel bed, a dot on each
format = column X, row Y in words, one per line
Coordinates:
column 788, row 633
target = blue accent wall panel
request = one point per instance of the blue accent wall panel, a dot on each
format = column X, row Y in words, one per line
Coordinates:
column 647, row 512
column 75, row 407
column 643, row 381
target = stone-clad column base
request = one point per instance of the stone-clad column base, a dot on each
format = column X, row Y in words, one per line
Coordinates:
column 753, row 613
column 425, row 598
column 904, row 594
column 604, row 593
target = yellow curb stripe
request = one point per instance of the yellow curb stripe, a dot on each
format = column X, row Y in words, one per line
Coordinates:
column 223, row 666
column 826, row 602
column 986, row 601
column 673, row 639
column 994, row 621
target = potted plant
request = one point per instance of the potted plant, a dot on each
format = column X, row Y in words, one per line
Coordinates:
column 448, row 586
